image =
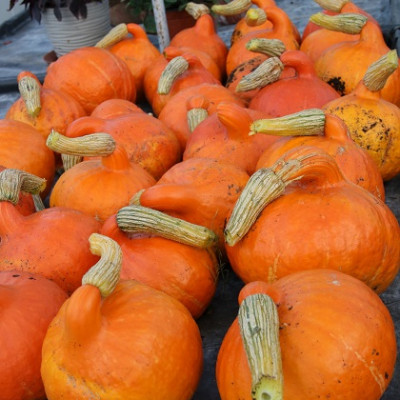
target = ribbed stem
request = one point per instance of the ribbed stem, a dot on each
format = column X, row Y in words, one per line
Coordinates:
column 14, row 181
column 350, row 23
column 195, row 116
column 175, row 68
column 234, row 7
column 115, row 35
column 29, row 89
column 332, row 5
column 69, row 161
column 105, row 273
column 96, row 144
column 379, row 72
column 196, row 10
column 38, row 202
column 269, row 47
column 267, row 72
column 255, row 16
column 307, row 122
column 138, row 219
column 259, row 329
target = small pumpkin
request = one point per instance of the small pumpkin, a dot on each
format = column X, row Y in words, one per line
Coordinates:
column 373, row 123
column 306, row 336
column 108, row 182
column 29, row 302
column 51, row 242
column 148, row 344
column 329, row 222
column 166, row 253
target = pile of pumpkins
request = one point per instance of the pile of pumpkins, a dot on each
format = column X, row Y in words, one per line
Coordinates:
column 270, row 155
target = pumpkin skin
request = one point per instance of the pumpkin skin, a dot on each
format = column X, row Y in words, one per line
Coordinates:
column 174, row 113
column 114, row 108
column 203, row 36
column 29, row 302
column 354, row 162
column 149, row 344
column 138, row 53
column 336, row 336
column 374, row 124
column 282, row 30
column 199, row 190
column 224, row 136
column 147, row 141
column 359, row 55
column 58, row 109
column 184, row 272
column 106, row 77
column 329, row 222
column 38, row 243
column 99, row 188
column 292, row 94
column 35, row 158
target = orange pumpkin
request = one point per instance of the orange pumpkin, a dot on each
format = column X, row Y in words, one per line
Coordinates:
column 24, row 147
column 333, row 137
column 342, row 6
column 147, row 141
column 224, row 136
column 148, row 344
column 292, row 94
column 28, row 304
column 206, row 96
column 138, row 53
column 282, row 29
column 114, row 108
column 91, row 75
column 345, row 75
column 44, row 109
column 51, row 243
column 199, row 190
column 166, row 253
column 292, row 340
column 373, row 123
column 98, row 187
column 328, row 221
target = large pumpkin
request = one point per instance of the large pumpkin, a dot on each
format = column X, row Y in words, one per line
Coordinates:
column 117, row 339
column 310, row 335
column 324, row 222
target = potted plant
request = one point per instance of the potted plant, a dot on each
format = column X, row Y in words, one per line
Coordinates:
column 70, row 24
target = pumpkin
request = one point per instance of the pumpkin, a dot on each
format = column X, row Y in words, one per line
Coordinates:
column 25, row 148
column 306, row 336
column 147, row 141
column 98, row 187
column 44, row 109
column 292, row 94
column 166, row 253
column 333, row 8
column 343, row 28
column 205, row 96
column 328, row 132
column 52, row 243
column 282, row 29
column 373, row 123
column 204, row 37
column 358, row 56
column 224, row 136
column 329, row 222
column 91, row 75
column 199, row 190
column 136, row 51
column 120, row 339
column 180, row 73
column 28, row 304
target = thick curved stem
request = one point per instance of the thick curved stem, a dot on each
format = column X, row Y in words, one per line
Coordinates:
column 332, row 5
column 29, row 89
column 138, row 219
column 175, row 68
column 350, row 23
column 196, row 10
column 234, row 7
column 114, row 36
column 259, row 329
column 255, row 17
column 269, row 47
